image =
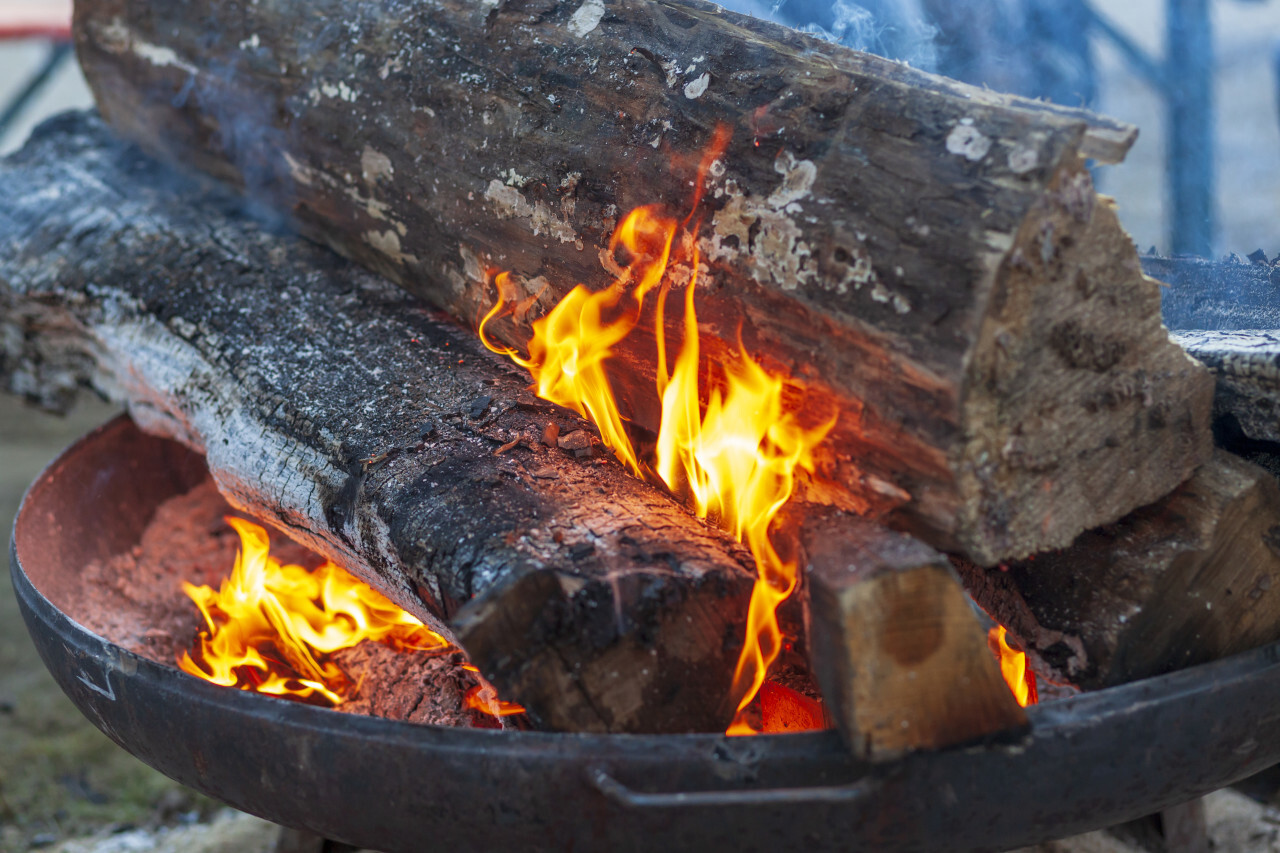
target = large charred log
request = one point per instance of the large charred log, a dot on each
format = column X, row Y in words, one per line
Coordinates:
column 369, row 428
column 933, row 257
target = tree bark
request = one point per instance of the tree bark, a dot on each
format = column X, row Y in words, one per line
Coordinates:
column 929, row 256
column 1186, row 580
column 371, row 429
column 899, row 653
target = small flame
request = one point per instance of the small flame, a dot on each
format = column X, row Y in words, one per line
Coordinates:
column 271, row 627
column 736, row 459
column 484, row 698
column 1013, row 666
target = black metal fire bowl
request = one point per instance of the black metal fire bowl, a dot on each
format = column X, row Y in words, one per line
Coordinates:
column 1090, row 761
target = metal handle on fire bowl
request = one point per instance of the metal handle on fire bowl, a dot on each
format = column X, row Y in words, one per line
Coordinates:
column 632, row 799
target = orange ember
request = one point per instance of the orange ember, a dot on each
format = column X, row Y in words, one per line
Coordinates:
column 735, row 458
column 271, row 627
column 1013, row 666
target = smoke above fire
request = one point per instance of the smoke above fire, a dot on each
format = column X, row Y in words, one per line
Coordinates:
column 1037, row 48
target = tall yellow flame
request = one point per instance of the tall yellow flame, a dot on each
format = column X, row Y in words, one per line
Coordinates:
column 1013, row 666
column 736, row 459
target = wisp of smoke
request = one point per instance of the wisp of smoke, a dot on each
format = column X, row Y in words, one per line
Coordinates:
column 896, row 29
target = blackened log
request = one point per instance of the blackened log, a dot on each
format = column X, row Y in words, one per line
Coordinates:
column 371, row 429
column 900, row 655
column 930, row 256
column 1189, row 579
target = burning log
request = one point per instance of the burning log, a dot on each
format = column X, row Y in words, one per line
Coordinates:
column 931, row 256
column 897, row 649
column 1186, row 580
column 372, row 430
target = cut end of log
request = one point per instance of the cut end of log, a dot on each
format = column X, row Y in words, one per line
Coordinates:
column 900, row 655
column 1080, row 407
column 637, row 645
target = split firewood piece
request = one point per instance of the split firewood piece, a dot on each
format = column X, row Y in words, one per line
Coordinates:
column 1186, row 580
column 931, row 257
column 897, row 648
column 335, row 406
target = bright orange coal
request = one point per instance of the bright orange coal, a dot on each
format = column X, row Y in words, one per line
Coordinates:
column 271, row 627
column 1013, row 666
column 735, row 459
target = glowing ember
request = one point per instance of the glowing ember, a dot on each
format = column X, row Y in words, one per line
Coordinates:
column 1013, row 666
column 735, row 459
column 271, row 628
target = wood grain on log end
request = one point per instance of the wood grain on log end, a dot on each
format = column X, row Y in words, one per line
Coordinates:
column 1080, row 408
column 900, row 655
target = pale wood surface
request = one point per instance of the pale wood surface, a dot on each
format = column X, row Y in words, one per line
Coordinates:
column 900, row 655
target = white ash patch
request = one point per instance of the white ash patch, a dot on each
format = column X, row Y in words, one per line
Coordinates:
column 512, row 178
column 334, row 91
column 116, row 37
column 587, row 18
column 697, row 87
column 300, row 172
column 1023, row 158
column 967, row 141
column 471, row 266
column 510, row 203
column 672, row 72
column 390, row 67
column 375, row 165
column 388, row 243
column 797, row 180
column 777, row 253
column 897, row 301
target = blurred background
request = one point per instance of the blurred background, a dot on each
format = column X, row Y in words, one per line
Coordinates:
column 1199, row 77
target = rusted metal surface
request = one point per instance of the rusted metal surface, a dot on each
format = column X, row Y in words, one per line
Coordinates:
column 1090, row 761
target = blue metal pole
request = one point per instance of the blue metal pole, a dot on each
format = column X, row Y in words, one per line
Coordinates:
column 1188, row 76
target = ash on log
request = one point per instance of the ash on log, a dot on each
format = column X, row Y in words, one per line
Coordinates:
column 1189, row 579
column 372, row 430
column 931, row 256
column 900, row 655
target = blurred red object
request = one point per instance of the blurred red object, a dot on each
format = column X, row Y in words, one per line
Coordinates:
column 35, row 19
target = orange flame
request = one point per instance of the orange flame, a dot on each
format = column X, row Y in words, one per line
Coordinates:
column 484, row 698
column 1013, row 666
column 736, row 458
column 271, row 627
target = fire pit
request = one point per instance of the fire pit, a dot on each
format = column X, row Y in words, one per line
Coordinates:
column 1089, row 761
